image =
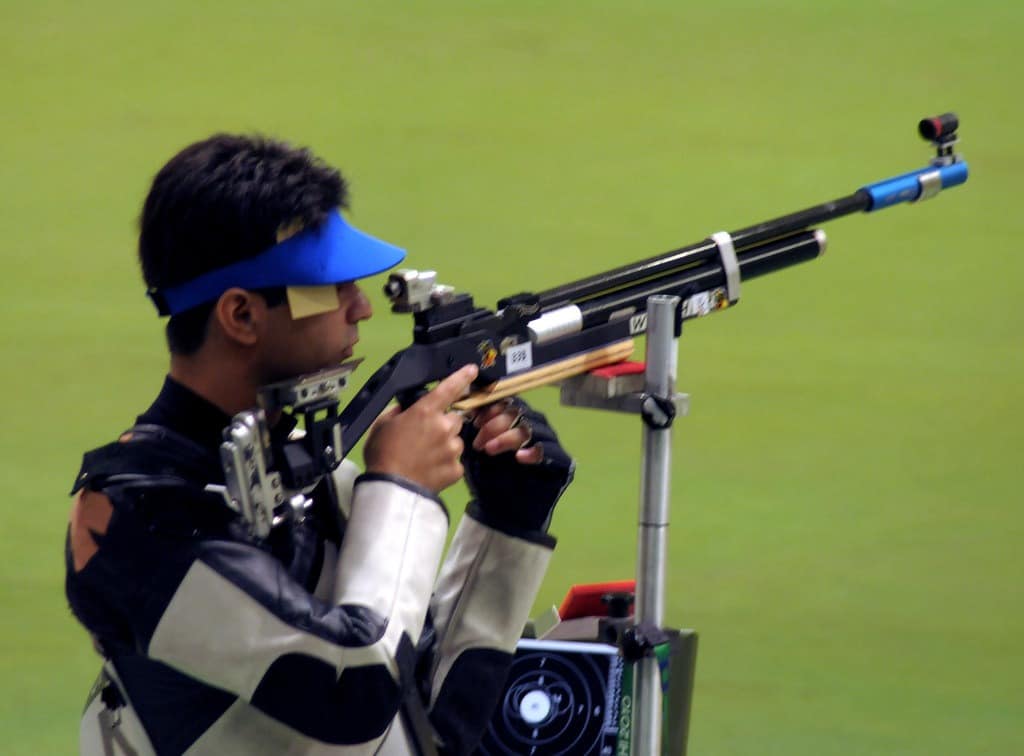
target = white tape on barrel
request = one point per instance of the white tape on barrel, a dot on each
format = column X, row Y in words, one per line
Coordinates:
column 726, row 250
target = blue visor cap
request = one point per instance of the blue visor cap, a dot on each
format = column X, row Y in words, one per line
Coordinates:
column 331, row 254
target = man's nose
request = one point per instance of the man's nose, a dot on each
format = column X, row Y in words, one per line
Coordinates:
column 361, row 308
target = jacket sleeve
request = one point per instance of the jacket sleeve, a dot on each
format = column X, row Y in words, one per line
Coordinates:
column 481, row 603
column 229, row 615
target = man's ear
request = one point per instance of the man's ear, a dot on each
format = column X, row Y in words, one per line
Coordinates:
column 241, row 315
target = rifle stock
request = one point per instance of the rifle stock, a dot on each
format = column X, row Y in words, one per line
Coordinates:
column 548, row 374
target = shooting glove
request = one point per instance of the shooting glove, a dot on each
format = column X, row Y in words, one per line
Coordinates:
column 517, row 499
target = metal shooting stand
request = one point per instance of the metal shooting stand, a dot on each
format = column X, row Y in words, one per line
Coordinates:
column 658, row 404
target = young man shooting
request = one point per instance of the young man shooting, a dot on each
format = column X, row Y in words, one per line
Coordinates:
column 341, row 632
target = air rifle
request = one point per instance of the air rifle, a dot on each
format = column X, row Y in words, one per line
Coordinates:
column 530, row 339
column 536, row 338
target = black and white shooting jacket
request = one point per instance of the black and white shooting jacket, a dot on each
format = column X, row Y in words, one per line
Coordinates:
column 346, row 633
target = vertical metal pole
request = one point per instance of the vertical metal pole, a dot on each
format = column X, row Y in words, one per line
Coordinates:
column 662, row 358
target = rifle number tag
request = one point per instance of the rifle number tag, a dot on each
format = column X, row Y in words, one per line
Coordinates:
column 637, row 323
column 519, row 358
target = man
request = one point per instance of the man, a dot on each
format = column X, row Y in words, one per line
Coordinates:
column 330, row 635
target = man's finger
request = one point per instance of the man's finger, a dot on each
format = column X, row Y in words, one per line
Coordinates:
column 493, row 428
column 450, row 389
column 387, row 414
column 490, row 411
column 531, row 456
column 508, row 441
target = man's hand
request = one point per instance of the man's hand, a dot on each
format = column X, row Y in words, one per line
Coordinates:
column 500, row 429
column 515, row 467
column 422, row 444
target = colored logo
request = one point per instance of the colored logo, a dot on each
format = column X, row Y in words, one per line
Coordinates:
column 488, row 354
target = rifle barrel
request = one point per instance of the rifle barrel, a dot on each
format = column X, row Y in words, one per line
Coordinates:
column 694, row 255
column 753, row 261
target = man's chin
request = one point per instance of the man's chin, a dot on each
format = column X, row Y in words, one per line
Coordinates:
column 335, row 361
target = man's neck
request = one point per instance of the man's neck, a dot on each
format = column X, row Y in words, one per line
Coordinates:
column 226, row 385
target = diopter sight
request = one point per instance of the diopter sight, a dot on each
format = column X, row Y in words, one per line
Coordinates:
column 941, row 132
column 416, row 290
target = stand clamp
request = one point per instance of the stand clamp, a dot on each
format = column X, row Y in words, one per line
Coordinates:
column 639, row 641
column 657, row 412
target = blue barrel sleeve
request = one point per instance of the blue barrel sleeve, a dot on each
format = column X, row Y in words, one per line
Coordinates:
column 907, row 187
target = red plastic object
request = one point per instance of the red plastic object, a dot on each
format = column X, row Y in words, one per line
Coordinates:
column 585, row 600
column 619, row 368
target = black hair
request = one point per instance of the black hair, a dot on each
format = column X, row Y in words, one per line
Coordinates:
column 222, row 200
